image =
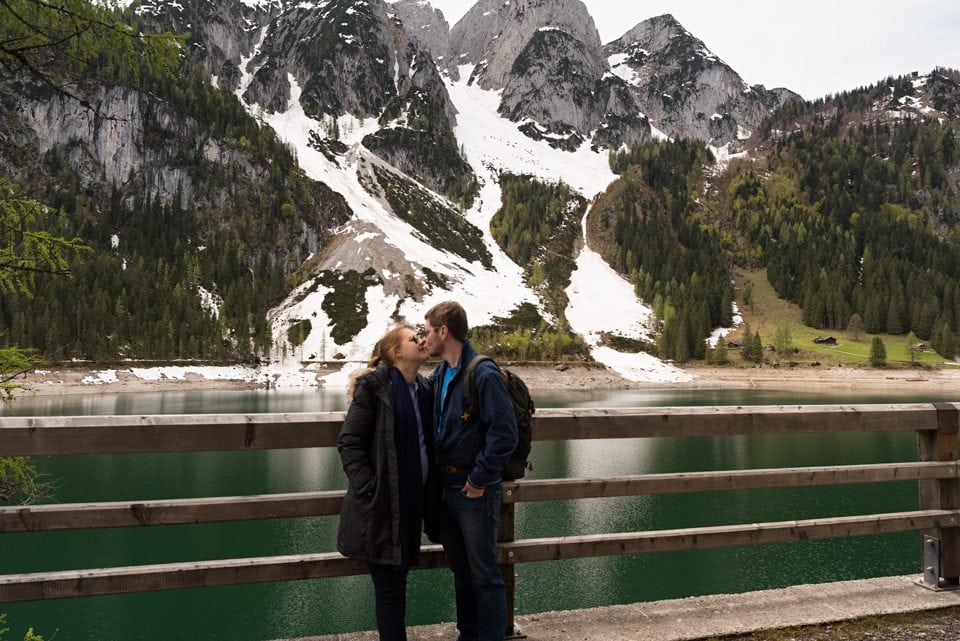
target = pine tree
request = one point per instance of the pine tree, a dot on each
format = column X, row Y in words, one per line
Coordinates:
column 943, row 341
column 757, row 348
column 878, row 353
column 746, row 343
column 911, row 346
column 720, row 353
column 784, row 340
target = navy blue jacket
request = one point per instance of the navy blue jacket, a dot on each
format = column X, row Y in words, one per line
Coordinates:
column 485, row 441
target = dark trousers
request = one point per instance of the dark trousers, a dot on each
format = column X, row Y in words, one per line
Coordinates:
column 470, row 542
column 390, row 590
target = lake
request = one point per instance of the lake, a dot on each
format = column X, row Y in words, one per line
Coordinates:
column 302, row 608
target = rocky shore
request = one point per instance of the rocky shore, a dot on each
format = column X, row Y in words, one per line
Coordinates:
column 132, row 380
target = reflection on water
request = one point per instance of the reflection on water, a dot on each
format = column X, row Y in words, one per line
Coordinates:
column 301, row 608
column 330, row 400
column 191, row 402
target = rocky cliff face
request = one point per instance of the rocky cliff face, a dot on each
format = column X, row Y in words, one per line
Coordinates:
column 683, row 88
column 547, row 58
column 560, row 90
column 360, row 57
column 428, row 29
column 223, row 32
column 493, row 32
column 109, row 145
column 140, row 148
column 340, row 53
column 417, row 131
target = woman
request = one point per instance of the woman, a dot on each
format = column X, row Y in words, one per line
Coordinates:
column 386, row 446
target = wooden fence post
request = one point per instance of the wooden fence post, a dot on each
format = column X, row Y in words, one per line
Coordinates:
column 508, row 534
column 942, row 494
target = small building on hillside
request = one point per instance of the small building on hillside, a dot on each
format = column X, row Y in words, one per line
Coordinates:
column 825, row 340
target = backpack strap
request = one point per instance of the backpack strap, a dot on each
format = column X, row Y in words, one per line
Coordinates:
column 470, row 383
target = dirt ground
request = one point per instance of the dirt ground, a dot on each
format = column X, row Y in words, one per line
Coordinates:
column 936, row 625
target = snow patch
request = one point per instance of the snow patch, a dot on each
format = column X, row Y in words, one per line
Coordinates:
column 720, row 332
column 724, row 155
column 101, row 377
column 620, row 312
column 209, row 301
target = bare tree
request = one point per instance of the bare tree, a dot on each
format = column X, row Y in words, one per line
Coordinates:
column 856, row 327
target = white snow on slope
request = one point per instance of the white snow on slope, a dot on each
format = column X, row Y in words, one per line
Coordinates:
column 720, row 332
column 603, row 301
column 483, row 293
column 600, row 299
column 494, row 143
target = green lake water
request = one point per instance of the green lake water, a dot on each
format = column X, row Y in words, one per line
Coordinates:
column 302, row 608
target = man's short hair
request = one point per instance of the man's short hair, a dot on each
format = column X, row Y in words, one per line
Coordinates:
column 451, row 314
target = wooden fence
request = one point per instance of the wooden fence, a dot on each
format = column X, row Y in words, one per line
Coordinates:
column 936, row 472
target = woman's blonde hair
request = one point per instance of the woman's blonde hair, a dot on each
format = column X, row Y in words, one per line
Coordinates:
column 383, row 350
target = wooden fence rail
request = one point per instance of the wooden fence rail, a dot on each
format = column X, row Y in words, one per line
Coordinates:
column 58, row 435
column 936, row 473
column 41, row 518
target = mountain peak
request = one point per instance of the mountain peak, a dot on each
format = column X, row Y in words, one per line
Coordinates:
column 426, row 26
column 684, row 88
column 663, row 33
column 493, row 32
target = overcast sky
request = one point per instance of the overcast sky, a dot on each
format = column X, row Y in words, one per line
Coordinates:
column 814, row 47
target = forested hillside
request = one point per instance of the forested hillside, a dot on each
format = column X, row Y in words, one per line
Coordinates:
column 858, row 213
column 649, row 225
column 186, row 270
column 850, row 203
column 538, row 226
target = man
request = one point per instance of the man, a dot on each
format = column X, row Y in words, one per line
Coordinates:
column 473, row 444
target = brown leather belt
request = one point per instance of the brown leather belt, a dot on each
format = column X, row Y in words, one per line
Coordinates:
column 453, row 469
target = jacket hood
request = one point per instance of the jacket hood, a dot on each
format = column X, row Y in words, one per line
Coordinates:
column 355, row 380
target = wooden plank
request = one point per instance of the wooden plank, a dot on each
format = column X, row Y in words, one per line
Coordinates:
column 56, row 435
column 582, row 423
column 149, row 578
column 685, row 482
column 38, row 518
column 550, row 549
column 30, row 436
column 174, row 576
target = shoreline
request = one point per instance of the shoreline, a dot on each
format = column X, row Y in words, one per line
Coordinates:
column 538, row 378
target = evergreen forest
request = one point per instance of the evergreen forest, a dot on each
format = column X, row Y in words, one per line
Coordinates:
column 650, row 227
column 849, row 203
column 185, row 278
column 538, row 226
column 851, row 208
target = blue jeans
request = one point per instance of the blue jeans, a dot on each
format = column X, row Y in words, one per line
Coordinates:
column 470, row 543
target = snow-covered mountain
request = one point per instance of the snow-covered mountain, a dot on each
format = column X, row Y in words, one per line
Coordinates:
column 412, row 123
column 685, row 90
column 546, row 57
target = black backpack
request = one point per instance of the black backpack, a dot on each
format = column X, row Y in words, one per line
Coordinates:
column 523, row 409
